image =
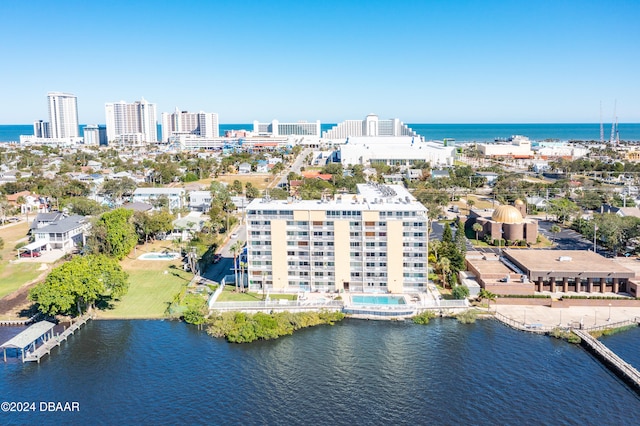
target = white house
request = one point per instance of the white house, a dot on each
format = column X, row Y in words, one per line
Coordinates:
column 64, row 234
column 200, row 201
column 175, row 196
column 244, row 168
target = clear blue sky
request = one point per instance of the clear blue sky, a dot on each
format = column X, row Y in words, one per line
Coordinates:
column 421, row 61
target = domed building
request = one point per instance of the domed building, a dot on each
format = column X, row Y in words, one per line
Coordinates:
column 506, row 222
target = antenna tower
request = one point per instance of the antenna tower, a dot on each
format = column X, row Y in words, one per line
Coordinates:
column 601, row 125
column 613, row 124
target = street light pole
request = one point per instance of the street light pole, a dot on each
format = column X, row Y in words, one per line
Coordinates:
column 609, row 319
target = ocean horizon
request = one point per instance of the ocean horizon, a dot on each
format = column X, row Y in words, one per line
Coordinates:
column 629, row 132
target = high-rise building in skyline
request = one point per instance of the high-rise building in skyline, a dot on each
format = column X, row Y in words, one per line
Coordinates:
column 275, row 128
column 131, row 123
column 370, row 126
column 182, row 123
column 63, row 115
column 41, row 129
column 95, row 135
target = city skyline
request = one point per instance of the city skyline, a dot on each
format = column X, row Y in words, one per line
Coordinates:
column 422, row 62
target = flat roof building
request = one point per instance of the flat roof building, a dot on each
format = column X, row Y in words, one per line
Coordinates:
column 403, row 151
column 521, row 271
column 372, row 241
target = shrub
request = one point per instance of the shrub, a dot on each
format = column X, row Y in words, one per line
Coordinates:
column 238, row 327
column 20, row 245
column 423, row 318
column 460, row 292
column 467, row 317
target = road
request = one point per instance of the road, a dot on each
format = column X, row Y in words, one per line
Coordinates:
column 217, row 271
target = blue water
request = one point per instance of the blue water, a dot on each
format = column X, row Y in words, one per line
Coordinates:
column 459, row 132
column 378, row 300
column 354, row 373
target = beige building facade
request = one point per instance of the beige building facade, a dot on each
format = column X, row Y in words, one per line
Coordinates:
column 374, row 241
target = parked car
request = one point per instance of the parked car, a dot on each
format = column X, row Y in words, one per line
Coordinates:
column 30, row 254
column 234, row 235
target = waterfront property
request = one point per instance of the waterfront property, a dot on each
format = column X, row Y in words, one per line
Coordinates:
column 373, row 241
column 527, row 271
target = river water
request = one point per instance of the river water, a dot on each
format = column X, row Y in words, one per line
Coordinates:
column 354, row 373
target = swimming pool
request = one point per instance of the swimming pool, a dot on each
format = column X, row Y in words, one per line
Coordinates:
column 160, row 256
column 378, row 300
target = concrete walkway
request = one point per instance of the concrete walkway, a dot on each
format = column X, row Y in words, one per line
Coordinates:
column 550, row 317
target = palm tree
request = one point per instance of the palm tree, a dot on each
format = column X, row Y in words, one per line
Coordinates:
column 477, row 228
column 555, row 229
column 444, row 265
column 485, row 294
column 236, row 248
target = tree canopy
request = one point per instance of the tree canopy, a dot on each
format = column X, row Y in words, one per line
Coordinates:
column 113, row 234
column 79, row 284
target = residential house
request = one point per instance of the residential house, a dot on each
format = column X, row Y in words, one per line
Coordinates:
column 65, row 234
column 244, row 168
column 175, row 196
column 200, row 201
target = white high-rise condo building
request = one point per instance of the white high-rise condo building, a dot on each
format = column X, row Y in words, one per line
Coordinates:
column 131, row 123
column 184, row 123
column 370, row 126
column 63, row 115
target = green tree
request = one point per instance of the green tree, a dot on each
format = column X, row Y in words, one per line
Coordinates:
column 477, row 228
column 563, row 209
column 113, row 234
column 79, row 284
column 84, row 206
column 117, row 189
column 236, row 248
column 555, row 230
column 444, row 266
column 460, row 292
column 447, row 235
column 251, row 191
column 487, row 295
column 236, row 187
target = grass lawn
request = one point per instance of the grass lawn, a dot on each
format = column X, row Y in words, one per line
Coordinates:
column 150, row 289
column 14, row 275
column 229, row 295
column 260, row 181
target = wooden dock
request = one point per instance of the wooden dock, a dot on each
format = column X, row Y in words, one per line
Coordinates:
column 17, row 323
column 45, row 348
column 616, row 364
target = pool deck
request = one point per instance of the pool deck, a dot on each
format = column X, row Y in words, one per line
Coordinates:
column 162, row 256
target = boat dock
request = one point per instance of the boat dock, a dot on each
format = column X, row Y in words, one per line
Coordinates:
column 45, row 348
column 25, row 344
column 616, row 364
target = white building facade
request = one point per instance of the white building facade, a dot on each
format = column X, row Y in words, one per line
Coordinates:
column 275, row 128
column 179, row 123
column 63, row 115
column 131, row 123
column 402, row 151
column 370, row 126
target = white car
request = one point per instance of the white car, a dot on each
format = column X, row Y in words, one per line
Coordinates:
column 234, row 235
